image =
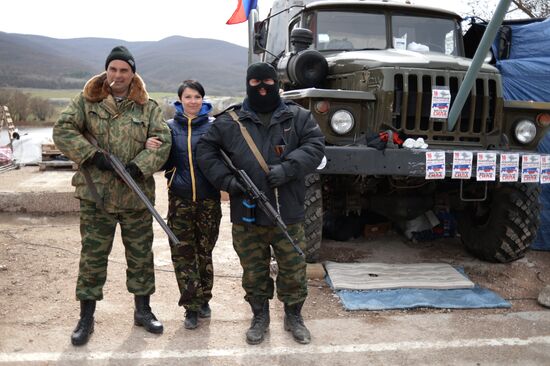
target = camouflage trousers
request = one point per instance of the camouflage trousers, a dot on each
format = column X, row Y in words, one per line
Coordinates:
column 196, row 224
column 252, row 244
column 97, row 229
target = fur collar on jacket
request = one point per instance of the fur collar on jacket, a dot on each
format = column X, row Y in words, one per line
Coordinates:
column 97, row 89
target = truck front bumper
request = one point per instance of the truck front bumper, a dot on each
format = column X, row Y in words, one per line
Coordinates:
column 363, row 160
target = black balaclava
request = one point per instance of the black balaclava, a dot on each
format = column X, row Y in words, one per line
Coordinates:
column 259, row 103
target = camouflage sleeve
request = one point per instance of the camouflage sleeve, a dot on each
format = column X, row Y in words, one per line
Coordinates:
column 67, row 132
column 150, row 161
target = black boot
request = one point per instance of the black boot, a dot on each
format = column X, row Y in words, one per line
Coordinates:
column 191, row 319
column 295, row 323
column 205, row 311
column 85, row 326
column 260, row 321
column 143, row 316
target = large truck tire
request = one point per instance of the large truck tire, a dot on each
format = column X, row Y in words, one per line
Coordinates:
column 502, row 228
column 313, row 225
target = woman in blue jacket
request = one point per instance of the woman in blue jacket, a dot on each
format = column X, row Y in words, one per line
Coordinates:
column 194, row 210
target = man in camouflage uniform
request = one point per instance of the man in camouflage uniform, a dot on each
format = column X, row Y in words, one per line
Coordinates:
column 115, row 108
column 291, row 142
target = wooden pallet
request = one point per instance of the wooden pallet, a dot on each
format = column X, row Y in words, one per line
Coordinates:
column 50, row 152
column 57, row 164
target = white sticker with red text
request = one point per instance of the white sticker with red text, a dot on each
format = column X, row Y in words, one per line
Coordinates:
column 441, row 100
column 530, row 168
column 545, row 169
column 435, row 165
column 486, row 166
column 462, row 165
column 509, row 167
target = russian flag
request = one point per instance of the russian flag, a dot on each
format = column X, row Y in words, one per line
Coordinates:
column 243, row 10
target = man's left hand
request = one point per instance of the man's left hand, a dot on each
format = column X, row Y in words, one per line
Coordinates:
column 134, row 171
column 276, row 176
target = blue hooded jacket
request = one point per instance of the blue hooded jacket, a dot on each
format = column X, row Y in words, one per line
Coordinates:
column 184, row 177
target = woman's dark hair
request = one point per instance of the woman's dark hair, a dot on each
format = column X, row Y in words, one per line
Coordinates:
column 191, row 84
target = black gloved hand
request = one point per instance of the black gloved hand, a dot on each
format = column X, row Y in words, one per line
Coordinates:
column 101, row 161
column 134, row 171
column 276, row 176
column 234, row 187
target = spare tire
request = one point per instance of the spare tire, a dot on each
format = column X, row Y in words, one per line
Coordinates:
column 307, row 69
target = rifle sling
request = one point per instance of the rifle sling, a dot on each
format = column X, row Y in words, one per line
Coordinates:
column 250, row 142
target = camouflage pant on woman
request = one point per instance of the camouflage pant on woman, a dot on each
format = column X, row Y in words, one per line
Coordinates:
column 252, row 244
column 196, row 224
column 97, row 229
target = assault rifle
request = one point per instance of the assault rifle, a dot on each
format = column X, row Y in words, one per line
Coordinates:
column 120, row 170
column 258, row 196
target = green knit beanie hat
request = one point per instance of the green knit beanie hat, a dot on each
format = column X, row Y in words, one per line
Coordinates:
column 121, row 53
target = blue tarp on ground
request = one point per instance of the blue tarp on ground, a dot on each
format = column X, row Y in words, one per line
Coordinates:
column 408, row 298
column 527, row 63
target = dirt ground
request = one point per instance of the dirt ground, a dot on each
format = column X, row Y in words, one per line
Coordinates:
column 39, row 262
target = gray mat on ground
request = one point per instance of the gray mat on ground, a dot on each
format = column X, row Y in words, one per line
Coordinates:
column 370, row 276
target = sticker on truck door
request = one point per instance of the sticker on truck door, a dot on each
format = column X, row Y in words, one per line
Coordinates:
column 441, row 100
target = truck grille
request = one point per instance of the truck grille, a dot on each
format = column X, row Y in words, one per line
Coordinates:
column 412, row 103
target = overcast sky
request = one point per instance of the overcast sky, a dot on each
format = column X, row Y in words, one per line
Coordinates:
column 139, row 21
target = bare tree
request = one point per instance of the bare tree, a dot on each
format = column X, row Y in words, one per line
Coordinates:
column 19, row 106
column 533, row 8
column 41, row 108
column 23, row 105
column 518, row 9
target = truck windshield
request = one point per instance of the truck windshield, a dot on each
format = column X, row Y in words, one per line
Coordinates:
column 351, row 31
column 338, row 30
column 425, row 34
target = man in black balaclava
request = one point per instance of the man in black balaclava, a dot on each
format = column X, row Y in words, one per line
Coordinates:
column 261, row 88
column 292, row 145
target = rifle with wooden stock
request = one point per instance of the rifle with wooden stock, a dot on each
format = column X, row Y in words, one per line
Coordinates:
column 120, row 170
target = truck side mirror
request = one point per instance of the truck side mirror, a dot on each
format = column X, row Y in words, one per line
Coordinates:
column 260, row 37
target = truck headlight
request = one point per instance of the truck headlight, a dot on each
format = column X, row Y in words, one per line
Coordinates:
column 342, row 122
column 525, row 131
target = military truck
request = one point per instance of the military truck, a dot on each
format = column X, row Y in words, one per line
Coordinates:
column 370, row 70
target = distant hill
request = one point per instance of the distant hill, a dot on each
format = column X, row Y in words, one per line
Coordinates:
column 41, row 62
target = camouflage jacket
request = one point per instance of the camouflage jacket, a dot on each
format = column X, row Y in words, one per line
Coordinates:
column 119, row 128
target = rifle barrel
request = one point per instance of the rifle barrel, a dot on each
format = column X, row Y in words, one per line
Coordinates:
column 259, row 196
column 121, row 171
